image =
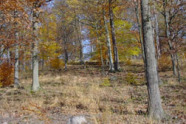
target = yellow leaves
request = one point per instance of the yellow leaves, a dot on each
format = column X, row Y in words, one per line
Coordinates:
column 56, row 63
column 49, row 49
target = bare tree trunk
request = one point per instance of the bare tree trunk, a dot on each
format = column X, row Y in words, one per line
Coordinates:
column 8, row 56
column 173, row 57
column 140, row 29
column 1, row 53
column 35, row 44
column 155, row 109
column 16, row 64
column 178, row 67
column 141, row 36
column 113, row 34
column 66, row 54
column 111, row 65
column 157, row 35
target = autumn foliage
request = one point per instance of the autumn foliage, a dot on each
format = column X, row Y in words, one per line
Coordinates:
column 6, row 74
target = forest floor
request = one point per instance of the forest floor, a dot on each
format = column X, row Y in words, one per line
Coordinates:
column 104, row 98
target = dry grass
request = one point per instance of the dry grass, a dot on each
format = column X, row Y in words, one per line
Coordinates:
column 87, row 92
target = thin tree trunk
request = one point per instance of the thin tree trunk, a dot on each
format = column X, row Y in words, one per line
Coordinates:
column 66, row 55
column 1, row 53
column 113, row 34
column 35, row 44
column 173, row 58
column 155, row 109
column 24, row 63
column 16, row 64
column 178, row 67
column 8, row 56
column 157, row 35
column 111, row 65
column 140, row 29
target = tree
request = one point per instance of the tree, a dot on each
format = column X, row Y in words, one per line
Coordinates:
column 35, row 59
column 113, row 34
column 111, row 65
column 155, row 109
column 16, row 64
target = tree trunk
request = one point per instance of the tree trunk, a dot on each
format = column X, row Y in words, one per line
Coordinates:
column 66, row 54
column 141, row 36
column 140, row 29
column 1, row 53
column 155, row 109
column 173, row 57
column 16, row 64
column 35, row 57
column 178, row 67
column 8, row 56
column 157, row 35
column 113, row 34
column 111, row 65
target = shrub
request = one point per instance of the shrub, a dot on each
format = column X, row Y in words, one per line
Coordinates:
column 105, row 83
column 164, row 63
column 56, row 63
column 131, row 79
column 6, row 75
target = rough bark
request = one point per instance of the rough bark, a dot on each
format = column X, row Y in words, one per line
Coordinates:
column 35, row 57
column 137, row 11
column 111, row 65
column 113, row 34
column 155, row 109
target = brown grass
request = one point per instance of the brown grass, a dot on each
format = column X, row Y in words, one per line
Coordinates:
column 84, row 92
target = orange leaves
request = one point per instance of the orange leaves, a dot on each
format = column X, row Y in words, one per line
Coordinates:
column 6, row 74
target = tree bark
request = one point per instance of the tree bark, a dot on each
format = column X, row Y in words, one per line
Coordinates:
column 66, row 53
column 140, row 29
column 1, row 53
column 111, row 65
column 167, row 27
column 16, row 64
column 178, row 67
column 157, row 34
column 113, row 34
column 35, row 57
column 155, row 109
